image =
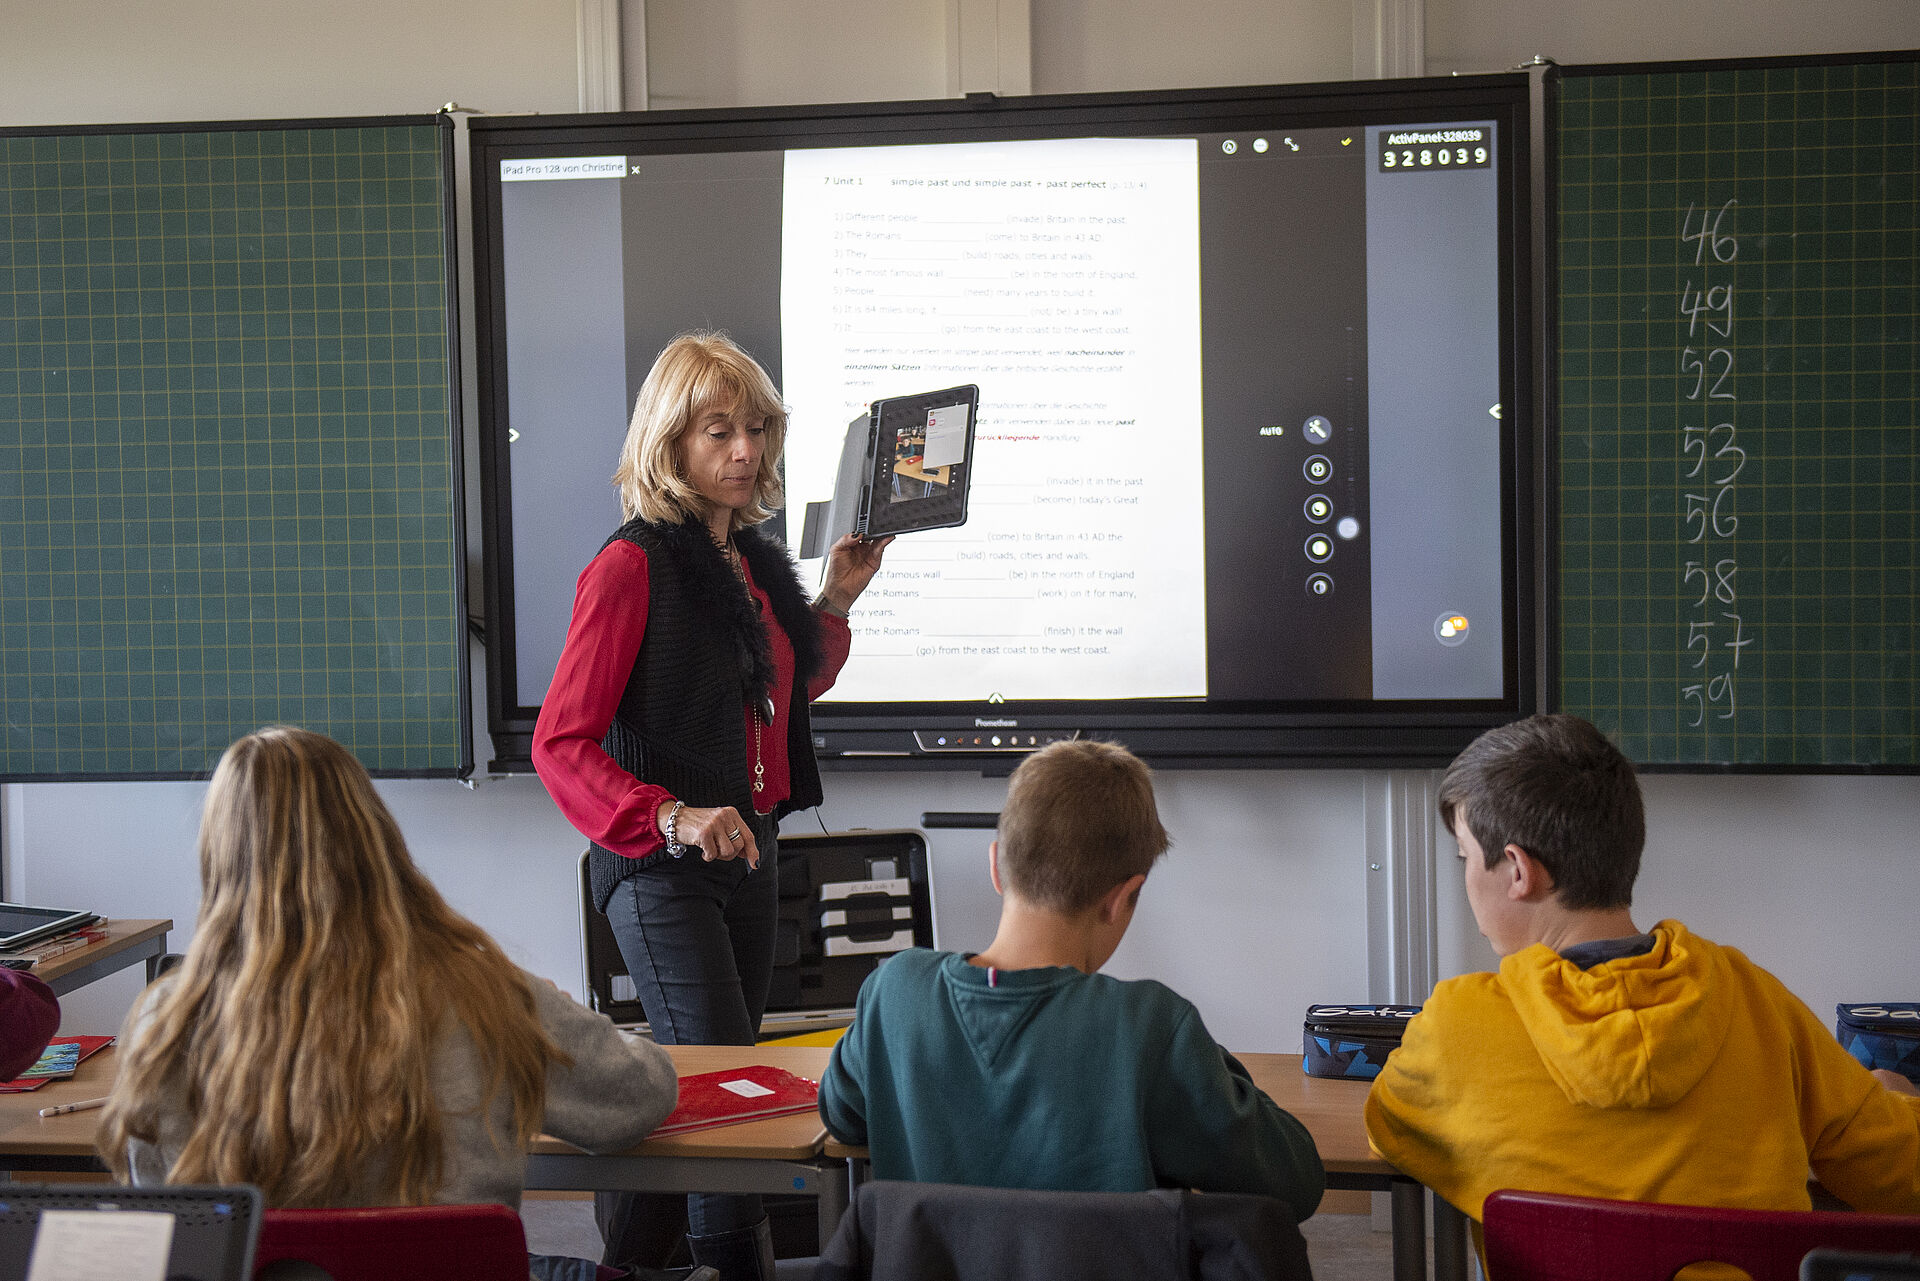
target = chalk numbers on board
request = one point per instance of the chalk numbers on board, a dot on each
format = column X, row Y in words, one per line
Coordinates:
column 1711, row 460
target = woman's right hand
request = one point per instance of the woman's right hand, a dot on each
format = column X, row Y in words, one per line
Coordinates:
column 719, row 834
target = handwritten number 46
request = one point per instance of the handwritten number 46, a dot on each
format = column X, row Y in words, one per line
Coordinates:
column 1708, row 233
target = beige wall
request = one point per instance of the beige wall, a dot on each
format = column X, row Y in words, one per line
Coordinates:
column 1091, row 46
column 717, row 53
column 1493, row 35
column 711, row 53
column 724, row 53
column 110, row 61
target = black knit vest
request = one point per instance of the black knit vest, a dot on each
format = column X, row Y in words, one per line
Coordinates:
column 703, row 660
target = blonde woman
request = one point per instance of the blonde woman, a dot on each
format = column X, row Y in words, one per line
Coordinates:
column 675, row 733
column 337, row 1034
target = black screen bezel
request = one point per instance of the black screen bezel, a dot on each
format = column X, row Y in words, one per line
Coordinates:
column 1190, row 733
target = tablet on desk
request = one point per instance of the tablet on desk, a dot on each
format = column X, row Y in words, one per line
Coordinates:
column 22, row 926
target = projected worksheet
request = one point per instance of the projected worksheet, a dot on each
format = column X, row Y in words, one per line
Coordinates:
column 1063, row 278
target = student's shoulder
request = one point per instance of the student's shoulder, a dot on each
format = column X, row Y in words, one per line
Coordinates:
column 1462, row 1005
column 1142, row 1001
column 909, row 971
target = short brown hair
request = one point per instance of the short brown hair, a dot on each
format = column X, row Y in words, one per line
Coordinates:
column 1079, row 820
column 1556, row 787
column 694, row 373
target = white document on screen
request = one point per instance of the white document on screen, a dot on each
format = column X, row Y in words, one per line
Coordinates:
column 1063, row 278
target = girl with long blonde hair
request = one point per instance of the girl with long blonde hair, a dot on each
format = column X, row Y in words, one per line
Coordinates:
column 338, row 1035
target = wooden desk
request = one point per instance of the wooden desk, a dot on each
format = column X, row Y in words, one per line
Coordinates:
column 778, row 1155
column 792, row 1154
column 1333, row 1113
column 911, row 468
column 127, row 943
column 30, row 1142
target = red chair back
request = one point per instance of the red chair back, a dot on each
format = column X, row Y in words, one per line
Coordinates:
column 1538, row 1236
column 418, row 1242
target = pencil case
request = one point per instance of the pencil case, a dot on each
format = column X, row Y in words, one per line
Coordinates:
column 1882, row 1035
column 1352, row 1041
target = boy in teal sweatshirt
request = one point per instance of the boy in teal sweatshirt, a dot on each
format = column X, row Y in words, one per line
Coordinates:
column 1022, row 1066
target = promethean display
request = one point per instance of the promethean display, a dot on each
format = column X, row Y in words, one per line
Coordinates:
column 1246, row 435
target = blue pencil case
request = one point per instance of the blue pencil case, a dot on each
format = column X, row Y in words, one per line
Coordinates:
column 1882, row 1035
column 1352, row 1041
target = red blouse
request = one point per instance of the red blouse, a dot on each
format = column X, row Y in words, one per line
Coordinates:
column 608, row 805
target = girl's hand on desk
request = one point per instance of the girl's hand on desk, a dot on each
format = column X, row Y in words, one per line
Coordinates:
column 1894, row 1081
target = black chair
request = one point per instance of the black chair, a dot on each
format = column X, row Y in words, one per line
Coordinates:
column 942, row 1232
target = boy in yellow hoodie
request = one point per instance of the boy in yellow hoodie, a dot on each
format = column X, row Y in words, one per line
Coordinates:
column 1603, row 1061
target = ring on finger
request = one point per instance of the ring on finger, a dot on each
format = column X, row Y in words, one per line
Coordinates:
column 734, row 836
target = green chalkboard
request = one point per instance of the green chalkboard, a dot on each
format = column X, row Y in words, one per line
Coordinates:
column 1738, row 375
column 227, row 485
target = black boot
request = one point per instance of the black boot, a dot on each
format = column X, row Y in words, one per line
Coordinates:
column 744, row 1254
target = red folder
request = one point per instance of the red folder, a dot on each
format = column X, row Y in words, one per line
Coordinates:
column 750, row 1093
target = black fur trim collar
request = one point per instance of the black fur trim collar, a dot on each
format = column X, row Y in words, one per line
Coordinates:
column 707, row 578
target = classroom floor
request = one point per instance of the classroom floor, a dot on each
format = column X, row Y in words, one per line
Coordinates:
column 1343, row 1247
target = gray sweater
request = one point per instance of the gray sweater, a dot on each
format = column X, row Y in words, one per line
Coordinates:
column 611, row 1097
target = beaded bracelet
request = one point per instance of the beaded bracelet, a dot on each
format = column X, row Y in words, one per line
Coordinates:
column 674, row 847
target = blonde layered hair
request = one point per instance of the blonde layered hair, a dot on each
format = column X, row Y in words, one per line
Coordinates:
column 302, row 1024
column 696, row 372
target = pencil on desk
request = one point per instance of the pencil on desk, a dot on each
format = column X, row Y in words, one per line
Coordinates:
column 82, row 1106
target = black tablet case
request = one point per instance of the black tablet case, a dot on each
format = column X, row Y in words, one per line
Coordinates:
column 870, row 496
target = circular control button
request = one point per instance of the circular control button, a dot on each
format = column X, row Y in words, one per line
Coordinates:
column 1319, row 549
column 1318, row 468
column 1319, row 508
column 1319, row 585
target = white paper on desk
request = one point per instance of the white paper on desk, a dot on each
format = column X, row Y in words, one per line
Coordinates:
column 101, row 1245
column 746, row 1089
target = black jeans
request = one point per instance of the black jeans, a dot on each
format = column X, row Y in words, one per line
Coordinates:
column 698, row 940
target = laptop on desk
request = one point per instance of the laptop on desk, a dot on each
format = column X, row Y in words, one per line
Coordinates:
column 23, row 926
column 211, row 1237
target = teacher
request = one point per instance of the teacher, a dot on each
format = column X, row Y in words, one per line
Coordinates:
column 675, row 734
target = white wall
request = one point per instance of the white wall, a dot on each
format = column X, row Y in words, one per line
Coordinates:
column 1260, row 909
